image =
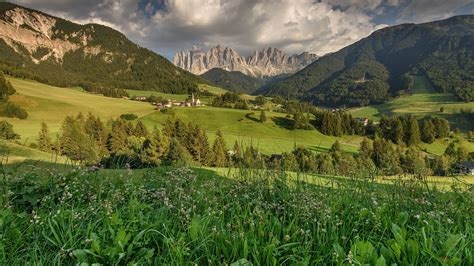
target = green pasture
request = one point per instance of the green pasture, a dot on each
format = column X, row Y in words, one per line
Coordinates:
column 424, row 101
column 52, row 104
column 273, row 136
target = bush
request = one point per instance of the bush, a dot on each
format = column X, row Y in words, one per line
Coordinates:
column 129, row 117
column 6, row 131
column 10, row 109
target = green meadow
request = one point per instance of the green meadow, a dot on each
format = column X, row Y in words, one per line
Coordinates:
column 424, row 101
column 184, row 216
column 52, row 104
column 11, row 152
column 273, row 136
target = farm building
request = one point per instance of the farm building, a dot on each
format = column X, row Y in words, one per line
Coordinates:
column 465, row 168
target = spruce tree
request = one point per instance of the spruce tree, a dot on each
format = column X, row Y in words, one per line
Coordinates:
column 156, row 148
column 413, row 132
column 44, row 141
column 366, row 149
column 219, row 151
column 290, row 163
column 385, row 156
column 398, row 132
column 96, row 130
column 6, row 131
column 6, row 89
column 428, row 131
column 75, row 144
column 178, row 154
column 140, row 130
column 450, row 151
column 413, row 162
column 117, row 141
column 263, row 117
column 237, row 152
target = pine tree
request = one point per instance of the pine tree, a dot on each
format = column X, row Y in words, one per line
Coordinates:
column 428, row 131
column 385, row 156
column 140, row 130
column 366, row 149
column 450, row 151
column 290, row 163
column 413, row 132
column 462, row 154
column 6, row 131
column 117, row 141
column 336, row 147
column 156, row 148
column 6, row 89
column 263, row 117
column 178, row 154
column 197, row 144
column 219, row 151
column 44, row 141
column 413, row 162
column 96, row 130
column 441, row 165
column 398, row 131
column 237, row 153
column 75, row 144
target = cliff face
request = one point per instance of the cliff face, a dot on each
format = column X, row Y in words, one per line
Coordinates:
column 52, row 50
column 267, row 62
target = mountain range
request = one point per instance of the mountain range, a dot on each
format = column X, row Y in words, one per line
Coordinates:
column 382, row 66
column 58, row 52
column 264, row 63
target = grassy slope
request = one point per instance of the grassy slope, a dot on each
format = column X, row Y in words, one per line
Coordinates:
column 52, row 104
column 11, row 152
column 423, row 102
column 238, row 125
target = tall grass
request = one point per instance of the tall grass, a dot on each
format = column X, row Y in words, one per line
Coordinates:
column 191, row 216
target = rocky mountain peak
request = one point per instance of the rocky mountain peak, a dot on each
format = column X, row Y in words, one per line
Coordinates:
column 22, row 28
column 266, row 62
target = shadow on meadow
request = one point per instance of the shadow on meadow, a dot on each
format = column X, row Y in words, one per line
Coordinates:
column 284, row 122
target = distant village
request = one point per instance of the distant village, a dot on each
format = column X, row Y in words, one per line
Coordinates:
column 163, row 104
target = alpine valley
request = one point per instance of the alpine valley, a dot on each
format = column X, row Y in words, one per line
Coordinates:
column 111, row 154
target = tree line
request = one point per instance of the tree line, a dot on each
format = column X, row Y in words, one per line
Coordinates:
column 7, row 108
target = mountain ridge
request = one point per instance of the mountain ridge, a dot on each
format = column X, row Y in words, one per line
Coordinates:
column 266, row 62
column 380, row 66
column 55, row 51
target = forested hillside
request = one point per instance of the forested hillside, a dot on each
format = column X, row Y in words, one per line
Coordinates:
column 58, row 52
column 381, row 66
column 233, row 80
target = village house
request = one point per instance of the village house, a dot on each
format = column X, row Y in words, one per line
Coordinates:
column 363, row 120
column 140, row 98
column 465, row 168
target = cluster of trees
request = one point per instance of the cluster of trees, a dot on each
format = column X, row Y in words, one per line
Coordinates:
column 7, row 108
column 6, row 131
column 338, row 123
column 408, row 130
column 378, row 157
column 120, row 142
column 105, row 91
column 230, row 100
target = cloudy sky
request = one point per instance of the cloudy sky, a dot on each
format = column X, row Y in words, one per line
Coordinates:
column 319, row 26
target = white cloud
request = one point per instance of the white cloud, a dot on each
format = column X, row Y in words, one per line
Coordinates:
column 323, row 26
